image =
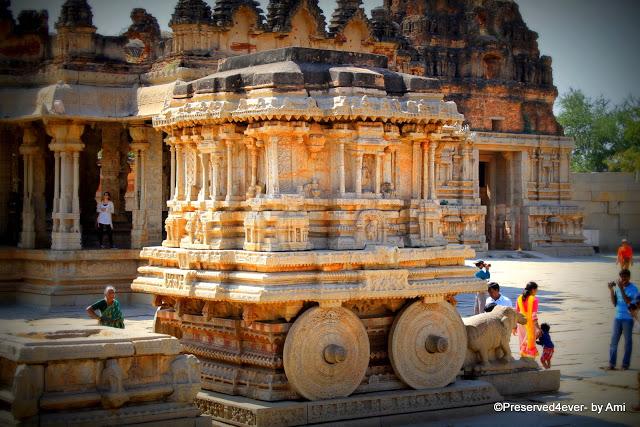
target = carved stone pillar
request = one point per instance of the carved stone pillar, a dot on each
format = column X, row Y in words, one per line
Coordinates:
column 432, row 174
column 66, row 145
column 425, row 170
column 341, row 171
column 170, row 141
column 229, row 146
column 565, row 158
column 139, row 146
column 29, row 150
column 271, row 151
column 359, row 155
column 179, row 191
column 205, row 169
column 415, row 175
column 216, row 180
column 378, row 166
column 466, row 162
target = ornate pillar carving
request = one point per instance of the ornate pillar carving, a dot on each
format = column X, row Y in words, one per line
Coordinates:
column 29, row 150
column 229, row 146
column 271, row 152
column 466, row 161
column 228, row 136
column 415, row 176
column 379, row 162
column 425, row 170
column 359, row 155
column 139, row 146
column 180, row 178
column 432, row 175
column 66, row 145
column 170, row 141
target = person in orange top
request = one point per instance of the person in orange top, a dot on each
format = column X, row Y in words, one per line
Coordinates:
column 527, row 304
column 625, row 255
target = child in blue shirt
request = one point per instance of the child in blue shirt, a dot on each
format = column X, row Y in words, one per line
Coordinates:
column 547, row 346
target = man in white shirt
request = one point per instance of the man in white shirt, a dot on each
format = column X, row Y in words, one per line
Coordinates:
column 495, row 297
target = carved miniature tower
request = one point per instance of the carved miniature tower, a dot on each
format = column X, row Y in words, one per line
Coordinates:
column 75, row 30
column 192, row 26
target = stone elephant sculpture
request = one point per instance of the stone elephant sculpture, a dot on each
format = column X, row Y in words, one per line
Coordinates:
column 488, row 335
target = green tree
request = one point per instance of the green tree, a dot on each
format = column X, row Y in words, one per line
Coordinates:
column 607, row 137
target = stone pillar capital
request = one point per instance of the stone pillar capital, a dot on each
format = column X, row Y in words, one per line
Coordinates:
column 139, row 133
column 66, row 135
column 29, row 135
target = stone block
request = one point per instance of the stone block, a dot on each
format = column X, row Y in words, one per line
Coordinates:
column 630, row 222
column 581, row 195
column 75, row 377
column 630, row 208
column 525, row 382
column 609, row 195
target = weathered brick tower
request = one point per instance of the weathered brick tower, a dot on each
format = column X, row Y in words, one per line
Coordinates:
column 487, row 58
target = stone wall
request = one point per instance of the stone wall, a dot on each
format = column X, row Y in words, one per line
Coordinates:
column 611, row 203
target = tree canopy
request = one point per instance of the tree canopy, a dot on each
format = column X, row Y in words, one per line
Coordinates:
column 607, row 136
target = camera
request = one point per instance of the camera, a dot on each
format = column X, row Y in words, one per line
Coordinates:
column 611, row 284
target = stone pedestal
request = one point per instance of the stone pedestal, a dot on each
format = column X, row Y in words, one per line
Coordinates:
column 49, row 278
column 105, row 375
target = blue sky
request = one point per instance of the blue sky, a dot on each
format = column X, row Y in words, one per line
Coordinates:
column 595, row 44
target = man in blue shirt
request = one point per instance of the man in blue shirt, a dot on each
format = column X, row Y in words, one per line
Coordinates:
column 623, row 293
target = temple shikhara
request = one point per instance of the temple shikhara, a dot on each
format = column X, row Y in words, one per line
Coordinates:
column 295, row 194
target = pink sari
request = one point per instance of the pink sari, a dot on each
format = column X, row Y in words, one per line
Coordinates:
column 527, row 333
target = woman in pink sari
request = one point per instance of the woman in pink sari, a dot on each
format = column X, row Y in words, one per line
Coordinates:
column 527, row 304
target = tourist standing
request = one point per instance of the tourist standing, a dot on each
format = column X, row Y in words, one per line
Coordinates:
column 482, row 274
column 110, row 314
column 105, row 222
column 625, row 255
column 547, row 346
column 495, row 297
column 527, row 304
column 622, row 293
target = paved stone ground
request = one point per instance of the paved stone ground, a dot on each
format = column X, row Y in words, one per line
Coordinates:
column 574, row 300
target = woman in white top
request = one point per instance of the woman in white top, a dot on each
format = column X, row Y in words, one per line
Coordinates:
column 105, row 223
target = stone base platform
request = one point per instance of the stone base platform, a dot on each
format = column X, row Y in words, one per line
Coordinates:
column 524, row 382
column 561, row 251
column 245, row 412
column 96, row 376
column 48, row 278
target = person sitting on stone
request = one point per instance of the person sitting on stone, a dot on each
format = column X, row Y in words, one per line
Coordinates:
column 495, row 297
column 482, row 274
column 110, row 314
column 547, row 346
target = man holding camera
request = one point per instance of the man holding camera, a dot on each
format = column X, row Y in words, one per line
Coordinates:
column 483, row 274
column 624, row 298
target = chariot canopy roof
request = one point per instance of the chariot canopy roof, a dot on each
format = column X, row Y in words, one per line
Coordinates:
column 307, row 84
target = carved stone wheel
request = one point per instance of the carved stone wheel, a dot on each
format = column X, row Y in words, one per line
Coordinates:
column 326, row 353
column 427, row 344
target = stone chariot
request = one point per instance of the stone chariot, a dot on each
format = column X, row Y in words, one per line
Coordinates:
column 305, row 253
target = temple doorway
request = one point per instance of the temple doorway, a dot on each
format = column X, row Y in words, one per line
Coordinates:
column 498, row 192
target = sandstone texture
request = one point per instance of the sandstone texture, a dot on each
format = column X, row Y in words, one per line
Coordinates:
column 54, row 376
